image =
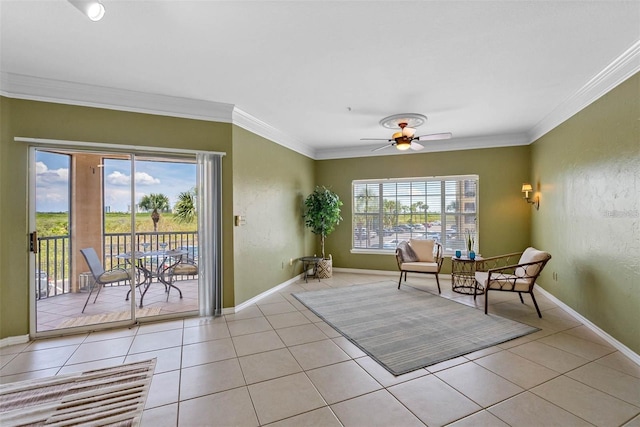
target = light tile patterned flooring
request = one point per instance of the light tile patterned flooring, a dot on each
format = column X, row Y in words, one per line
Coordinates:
column 277, row 364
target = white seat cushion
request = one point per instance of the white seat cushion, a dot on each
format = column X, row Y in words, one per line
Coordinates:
column 423, row 248
column 509, row 282
column 114, row 276
column 530, row 255
column 185, row 269
column 421, row 267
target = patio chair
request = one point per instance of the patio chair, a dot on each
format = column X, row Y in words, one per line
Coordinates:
column 519, row 277
column 187, row 266
column 100, row 276
column 419, row 256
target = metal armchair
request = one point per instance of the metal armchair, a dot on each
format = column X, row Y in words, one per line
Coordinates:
column 503, row 273
column 419, row 256
column 100, row 276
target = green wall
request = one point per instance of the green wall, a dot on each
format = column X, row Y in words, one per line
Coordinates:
column 587, row 171
column 56, row 121
column 270, row 184
column 503, row 216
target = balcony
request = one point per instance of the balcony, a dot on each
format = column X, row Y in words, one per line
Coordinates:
column 60, row 297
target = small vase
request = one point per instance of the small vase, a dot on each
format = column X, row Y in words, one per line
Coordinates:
column 472, row 255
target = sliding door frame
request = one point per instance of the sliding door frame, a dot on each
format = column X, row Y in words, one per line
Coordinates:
column 208, row 178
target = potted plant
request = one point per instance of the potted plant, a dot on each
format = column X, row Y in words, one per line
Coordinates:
column 322, row 214
column 470, row 241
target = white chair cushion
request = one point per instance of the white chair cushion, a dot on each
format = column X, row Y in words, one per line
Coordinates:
column 503, row 281
column 185, row 269
column 421, row 267
column 423, row 248
column 530, row 255
column 114, row 276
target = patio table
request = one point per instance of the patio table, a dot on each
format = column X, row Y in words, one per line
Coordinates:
column 166, row 260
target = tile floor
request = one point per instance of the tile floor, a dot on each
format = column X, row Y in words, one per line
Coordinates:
column 277, row 364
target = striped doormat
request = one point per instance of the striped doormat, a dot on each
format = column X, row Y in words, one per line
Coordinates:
column 107, row 397
column 407, row 329
column 98, row 319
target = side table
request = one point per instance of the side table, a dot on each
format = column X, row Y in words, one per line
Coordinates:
column 463, row 276
column 307, row 262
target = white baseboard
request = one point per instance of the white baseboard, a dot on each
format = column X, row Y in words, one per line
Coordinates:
column 258, row 297
column 586, row 322
column 6, row 342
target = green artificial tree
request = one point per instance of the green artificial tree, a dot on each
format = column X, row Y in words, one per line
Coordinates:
column 322, row 213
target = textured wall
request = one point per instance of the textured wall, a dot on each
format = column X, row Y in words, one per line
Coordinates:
column 270, row 184
column 588, row 174
column 503, row 216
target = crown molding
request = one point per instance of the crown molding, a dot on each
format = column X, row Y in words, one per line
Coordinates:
column 48, row 90
column 62, row 92
column 623, row 67
column 454, row 144
column 265, row 130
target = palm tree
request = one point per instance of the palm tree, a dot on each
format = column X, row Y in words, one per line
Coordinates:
column 156, row 202
column 185, row 208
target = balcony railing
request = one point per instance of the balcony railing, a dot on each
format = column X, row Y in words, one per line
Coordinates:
column 53, row 260
column 53, row 266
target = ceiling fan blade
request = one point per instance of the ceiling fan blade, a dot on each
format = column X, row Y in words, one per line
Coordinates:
column 434, row 136
column 375, row 139
column 416, row 146
column 383, row 147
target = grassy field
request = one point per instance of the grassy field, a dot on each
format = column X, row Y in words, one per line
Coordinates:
column 57, row 224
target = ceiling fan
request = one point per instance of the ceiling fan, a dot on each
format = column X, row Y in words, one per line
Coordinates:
column 405, row 138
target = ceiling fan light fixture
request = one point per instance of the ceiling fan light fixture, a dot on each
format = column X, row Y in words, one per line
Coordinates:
column 408, row 132
column 412, row 120
column 403, row 144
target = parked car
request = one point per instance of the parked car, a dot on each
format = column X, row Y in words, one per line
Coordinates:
column 363, row 234
column 432, row 235
column 390, row 244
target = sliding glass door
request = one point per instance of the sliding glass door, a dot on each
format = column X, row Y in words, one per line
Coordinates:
column 117, row 237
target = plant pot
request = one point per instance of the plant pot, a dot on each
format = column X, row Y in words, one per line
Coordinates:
column 325, row 268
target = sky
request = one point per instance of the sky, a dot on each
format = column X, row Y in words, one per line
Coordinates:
column 168, row 178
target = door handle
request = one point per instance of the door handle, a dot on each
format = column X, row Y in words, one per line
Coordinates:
column 33, row 242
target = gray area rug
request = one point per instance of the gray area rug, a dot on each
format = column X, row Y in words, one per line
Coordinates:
column 407, row 329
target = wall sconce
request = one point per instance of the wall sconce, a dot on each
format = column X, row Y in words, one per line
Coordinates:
column 526, row 189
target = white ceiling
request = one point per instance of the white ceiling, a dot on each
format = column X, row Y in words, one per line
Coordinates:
column 318, row 75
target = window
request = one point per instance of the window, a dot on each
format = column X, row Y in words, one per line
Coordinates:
column 386, row 212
